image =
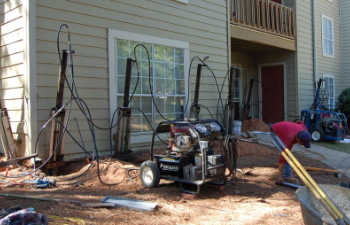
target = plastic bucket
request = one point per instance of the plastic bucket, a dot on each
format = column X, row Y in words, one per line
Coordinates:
column 237, row 127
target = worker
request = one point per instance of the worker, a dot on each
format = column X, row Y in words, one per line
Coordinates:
column 290, row 134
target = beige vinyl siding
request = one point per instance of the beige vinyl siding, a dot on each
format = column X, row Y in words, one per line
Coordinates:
column 345, row 45
column 325, row 65
column 200, row 23
column 304, row 53
column 12, row 68
column 329, row 65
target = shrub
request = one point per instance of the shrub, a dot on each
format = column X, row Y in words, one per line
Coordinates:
column 343, row 104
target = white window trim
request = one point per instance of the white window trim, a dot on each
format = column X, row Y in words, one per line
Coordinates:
column 329, row 75
column 323, row 47
column 114, row 34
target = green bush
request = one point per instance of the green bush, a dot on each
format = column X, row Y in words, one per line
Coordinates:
column 343, row 104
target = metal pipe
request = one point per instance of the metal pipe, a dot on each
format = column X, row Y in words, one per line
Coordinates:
column 229, row 97
column 195, row 108
column 128, row 71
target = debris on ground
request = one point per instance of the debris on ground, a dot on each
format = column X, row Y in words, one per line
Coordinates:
column 255, row 125
column 252, row 197
column 131, row 203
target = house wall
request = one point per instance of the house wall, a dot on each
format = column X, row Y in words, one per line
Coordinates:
column 304, row 53
column 345, row 43
column 203, row 24
column 330, row 65
column 12, row 68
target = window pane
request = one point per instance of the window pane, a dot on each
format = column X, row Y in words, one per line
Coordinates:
column 160, row 104
column 159, row 51
column 179, row 71
column 145, row 86
column 120, row 85
column 171, row 87
column 180, row 87
column 167, row 74
column 169, row 54
column 161, row 87
column 133, row 83
column 179, row 104
column 135, row 103
column 159, row 69
column 170, row 105
column 147, row 104
column 121, row 66
column 123, row 48
column 144, row 68
column 136, row 123
column 179, row 56
column 169, row 70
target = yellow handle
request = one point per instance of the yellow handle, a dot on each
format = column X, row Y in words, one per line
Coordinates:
column 312, row 185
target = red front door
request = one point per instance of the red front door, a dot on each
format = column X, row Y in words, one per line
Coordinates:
column 272, row 85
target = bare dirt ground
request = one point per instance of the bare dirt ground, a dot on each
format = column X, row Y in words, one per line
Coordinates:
column 251, row 198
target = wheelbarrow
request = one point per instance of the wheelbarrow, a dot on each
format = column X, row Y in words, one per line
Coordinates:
column 338, row 216
column 312, row 211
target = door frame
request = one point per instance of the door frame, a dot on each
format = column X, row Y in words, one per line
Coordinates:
column 260, row 66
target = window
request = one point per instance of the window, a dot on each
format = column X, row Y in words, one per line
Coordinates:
column 168, row 71
column 330, row 90
column 237, row 87
column 327, row 36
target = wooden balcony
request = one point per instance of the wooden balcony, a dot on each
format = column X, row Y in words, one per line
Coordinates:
column 264, row 22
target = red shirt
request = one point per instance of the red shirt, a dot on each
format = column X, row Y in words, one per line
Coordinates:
column 287, row 132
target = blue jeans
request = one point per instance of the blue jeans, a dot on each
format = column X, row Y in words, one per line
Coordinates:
column 287, row 171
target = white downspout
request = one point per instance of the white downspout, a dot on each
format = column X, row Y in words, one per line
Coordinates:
column 314, row 44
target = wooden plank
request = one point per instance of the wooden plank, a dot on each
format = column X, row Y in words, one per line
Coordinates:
column 8, row 143
column 255, row 36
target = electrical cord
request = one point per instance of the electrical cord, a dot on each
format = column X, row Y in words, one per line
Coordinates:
column 43, row 127
column 213, row 75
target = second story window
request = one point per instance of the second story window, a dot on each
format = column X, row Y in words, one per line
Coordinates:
column 327, row 36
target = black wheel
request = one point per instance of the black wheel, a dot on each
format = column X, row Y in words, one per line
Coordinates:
column 317, row 135
column 149, row 174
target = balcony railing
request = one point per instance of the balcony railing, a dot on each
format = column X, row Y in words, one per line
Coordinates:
column 264, row 15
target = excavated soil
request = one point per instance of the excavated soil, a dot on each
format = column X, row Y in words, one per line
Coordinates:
column 251, row 198
column 255, row 125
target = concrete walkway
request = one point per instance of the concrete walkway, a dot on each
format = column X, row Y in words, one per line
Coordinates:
column 334, row 159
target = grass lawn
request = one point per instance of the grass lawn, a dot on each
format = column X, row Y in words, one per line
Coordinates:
column 336, row 146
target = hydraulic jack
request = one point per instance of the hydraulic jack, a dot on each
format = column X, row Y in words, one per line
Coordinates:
column 195, row 107
column 122, row 137
column 232, row 107
column 57, row 136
